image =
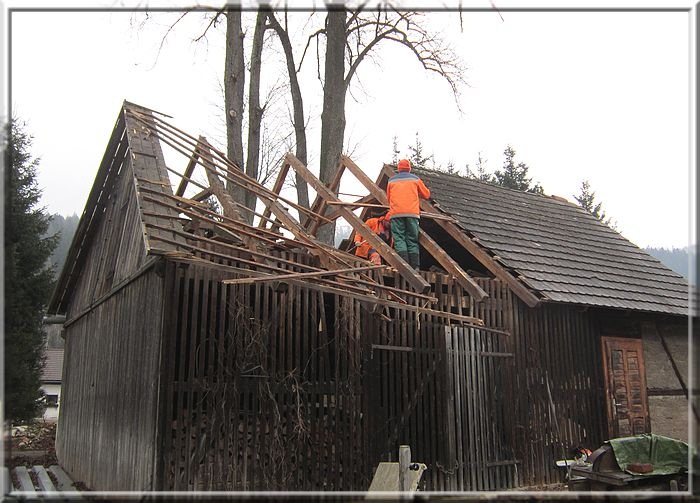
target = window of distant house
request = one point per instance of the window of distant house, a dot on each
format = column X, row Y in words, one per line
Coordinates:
column 52, row 400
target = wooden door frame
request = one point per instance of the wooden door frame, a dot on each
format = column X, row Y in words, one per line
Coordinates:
column 611, row 410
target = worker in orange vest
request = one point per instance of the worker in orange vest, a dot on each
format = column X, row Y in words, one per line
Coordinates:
column 404, row 191
column 381, row 227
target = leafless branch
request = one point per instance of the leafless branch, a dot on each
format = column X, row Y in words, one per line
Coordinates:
column 308, row 42
column 363, row 53
column 170, row 28
column 403, row 27
column 213, row 22
column 355, row 14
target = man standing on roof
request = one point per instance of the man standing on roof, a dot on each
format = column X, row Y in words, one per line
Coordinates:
column 380, row 226
column 404, row 191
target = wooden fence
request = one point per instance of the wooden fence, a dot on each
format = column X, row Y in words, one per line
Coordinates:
column 263, row 387
column 445, row 390
column 268, row 387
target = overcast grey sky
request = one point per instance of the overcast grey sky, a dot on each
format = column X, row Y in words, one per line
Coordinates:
column 602, row 96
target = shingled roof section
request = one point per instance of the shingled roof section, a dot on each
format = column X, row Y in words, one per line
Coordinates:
column 559, row 249
column 53, row 369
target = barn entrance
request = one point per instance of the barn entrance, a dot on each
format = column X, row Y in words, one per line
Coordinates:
column 625, row 386
column 446, row 391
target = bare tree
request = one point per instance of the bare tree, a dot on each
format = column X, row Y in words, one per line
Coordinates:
column 350, row 37
column 297, row 106
column 255, row 111
column 234, row 90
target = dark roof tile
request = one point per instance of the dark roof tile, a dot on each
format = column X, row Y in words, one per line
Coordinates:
column 557, row 248
column 53, row 369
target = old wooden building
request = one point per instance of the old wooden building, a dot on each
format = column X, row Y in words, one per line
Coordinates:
column 215, row 347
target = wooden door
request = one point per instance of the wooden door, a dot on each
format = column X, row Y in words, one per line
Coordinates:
column 625, row 387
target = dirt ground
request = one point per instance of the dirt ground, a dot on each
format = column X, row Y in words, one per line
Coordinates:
column 32, row 444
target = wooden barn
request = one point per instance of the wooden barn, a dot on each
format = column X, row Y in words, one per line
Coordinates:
column 215, row 347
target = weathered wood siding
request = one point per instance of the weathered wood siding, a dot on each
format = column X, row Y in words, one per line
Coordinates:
column 116, row 246
column 106, row 430
column 445, row 390
column 262, row 388
column 558, row 355
column 298, row 390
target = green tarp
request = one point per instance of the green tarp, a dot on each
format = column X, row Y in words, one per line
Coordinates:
column 667, row 455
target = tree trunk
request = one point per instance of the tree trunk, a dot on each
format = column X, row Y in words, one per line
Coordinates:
column 333, row 114
column 297, row 107
column 234, row 83
column 255, row 112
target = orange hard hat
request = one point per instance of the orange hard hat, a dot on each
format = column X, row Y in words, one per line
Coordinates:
column 404, row 165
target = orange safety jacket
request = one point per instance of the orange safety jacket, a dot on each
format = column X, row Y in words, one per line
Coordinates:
column 379, row 227
column 403, row 191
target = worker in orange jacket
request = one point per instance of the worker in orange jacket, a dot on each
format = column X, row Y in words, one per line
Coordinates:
column 404, row 192
column 381, row 227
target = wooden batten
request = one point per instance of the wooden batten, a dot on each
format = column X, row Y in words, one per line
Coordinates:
column 454, row 231
column 192, row 163
column 423, row 239
column 358, row 225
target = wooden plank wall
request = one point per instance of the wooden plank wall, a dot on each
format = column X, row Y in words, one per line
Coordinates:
column 557, row 350
column 445, row 390
column 474, row 404
column 117, row 248
column 106, row 430
column 270, row 389
column 299, row 390
column 262, row 386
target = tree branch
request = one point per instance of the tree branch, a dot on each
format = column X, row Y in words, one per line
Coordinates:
column 170, row 28
column 211, row 23
column 355, row 14
column 308, row 42
column 361, row 56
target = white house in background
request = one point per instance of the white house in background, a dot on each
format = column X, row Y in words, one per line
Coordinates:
column 51, row 383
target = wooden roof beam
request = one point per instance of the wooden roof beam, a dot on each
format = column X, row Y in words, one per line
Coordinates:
column 321, row 209
column 330, row 257
column 276, row 188
column 181, row 141
column 442, row 257
column 188, row 172
column 216, row 185
column 386, row 251
column 458, row 234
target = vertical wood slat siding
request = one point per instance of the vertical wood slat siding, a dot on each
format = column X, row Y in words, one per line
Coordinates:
column 559, row 344
column 107, row 426
column 279, row 399
column 280, row 389
column 117, row 248
column 510, row 392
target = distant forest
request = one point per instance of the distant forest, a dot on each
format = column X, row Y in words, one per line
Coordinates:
column 66, row 226
column 675, row 259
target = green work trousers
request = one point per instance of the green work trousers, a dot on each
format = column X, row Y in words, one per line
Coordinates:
column 405, row 233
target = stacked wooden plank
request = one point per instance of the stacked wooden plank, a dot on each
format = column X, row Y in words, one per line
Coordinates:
column 38, row 481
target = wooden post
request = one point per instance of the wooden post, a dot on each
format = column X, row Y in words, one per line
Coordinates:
column 404, row 463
